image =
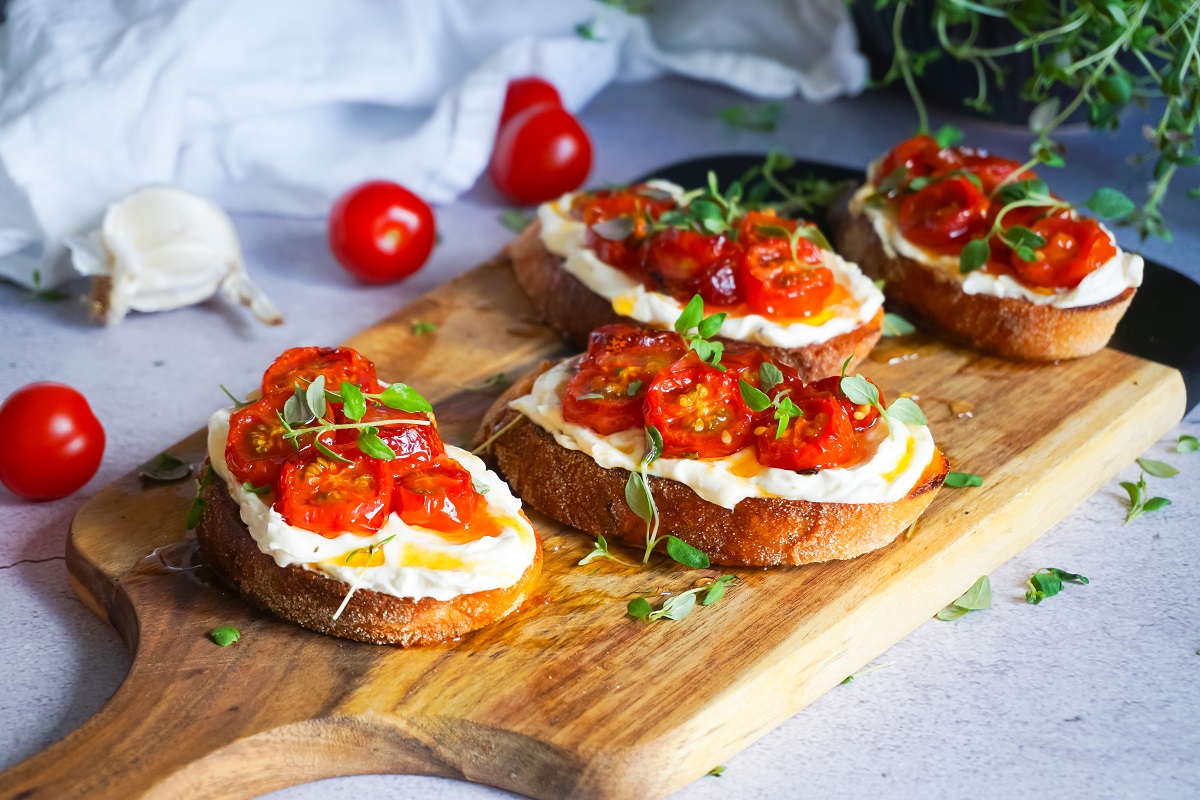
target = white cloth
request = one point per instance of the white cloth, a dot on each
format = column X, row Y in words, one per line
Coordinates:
column 278, row 106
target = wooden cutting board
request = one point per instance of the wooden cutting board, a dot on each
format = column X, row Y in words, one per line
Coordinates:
column 571, row 697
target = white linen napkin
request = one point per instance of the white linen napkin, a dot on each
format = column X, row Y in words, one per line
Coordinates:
column 278, row 106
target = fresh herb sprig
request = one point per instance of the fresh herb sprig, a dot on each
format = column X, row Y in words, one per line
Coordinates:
column 225, row 635
column 1047, row 582
column 698, row 330
column 309, row 404
column 758, row 400
column 368, row 552
column 759, row 117
column 850, row 678
column 863, row 392
column 165, row 468
column 977, row 598
column 678, row 606
column 1138, row 502
column 766, row 188
column 641, row 502
column 600, row 550
column 196, row 509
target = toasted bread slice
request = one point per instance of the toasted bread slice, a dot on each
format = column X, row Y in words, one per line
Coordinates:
column 309, row 598
column 574, row 310
column 571, row 487
column 1007, row 327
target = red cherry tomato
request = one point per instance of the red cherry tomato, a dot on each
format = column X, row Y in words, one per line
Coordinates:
column 681, row 262
column 416, row 446
column 526, row 93
column 1074, row 249
column 541, row 153
column 634, row 203
column 329, row 497
column 777, row 285
column 52, row 441
column 861, row 417
column 921, row 156
column 991, row 170
column 304, row 364
column 944, row 215
column 442, row 497
column 381, row 232
column 822, row 438
column 698, row 409
column 608, row 391
column 256, row 449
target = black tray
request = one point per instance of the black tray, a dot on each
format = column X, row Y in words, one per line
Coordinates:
column 1162, row 324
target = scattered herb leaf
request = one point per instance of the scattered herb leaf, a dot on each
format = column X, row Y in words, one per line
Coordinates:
column 715, row 772
column 1138, row 504
column 1187, row 444
column 1157, row 468
column 977, row 598
column 515, row 219
column 252, row 489
column 225, row 635
column 1047, row 582
column 861, row 672
column 165, row 468
column 960, row 480
column 760, row 117
column 422, row 328
column 196, row 509
column 896, row 325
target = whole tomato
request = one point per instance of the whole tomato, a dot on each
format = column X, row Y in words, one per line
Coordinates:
column 381, row 232
column 52, row 441
column 540, row 153
column 526, row 93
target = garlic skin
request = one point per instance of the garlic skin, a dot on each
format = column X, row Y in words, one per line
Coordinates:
column 162, row 248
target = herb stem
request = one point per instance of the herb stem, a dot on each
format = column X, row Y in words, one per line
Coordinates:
column 352, row 426
column 491, row 439
column 902, row 61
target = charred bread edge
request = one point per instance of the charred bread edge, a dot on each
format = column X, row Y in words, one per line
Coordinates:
column 310, row 599
column 569, row 486
column 1003, row 326
column 574, row 310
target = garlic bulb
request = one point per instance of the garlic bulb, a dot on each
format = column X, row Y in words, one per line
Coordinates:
column 162, row 248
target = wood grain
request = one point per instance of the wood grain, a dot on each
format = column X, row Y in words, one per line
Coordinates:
column 554, row 701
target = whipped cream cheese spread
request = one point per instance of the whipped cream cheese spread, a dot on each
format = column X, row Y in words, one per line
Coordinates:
column 566, row 237
column 1122, row 271
column 417, row 562
column 887, row 476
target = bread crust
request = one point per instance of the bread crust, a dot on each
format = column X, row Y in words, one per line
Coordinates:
column 571, row 308
column 571, row 487
column 1003, row 326
column 309, row 598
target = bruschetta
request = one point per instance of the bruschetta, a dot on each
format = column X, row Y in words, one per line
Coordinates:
column 332, row 502
column 738, row 456
column 977, row 248
column 636, row 255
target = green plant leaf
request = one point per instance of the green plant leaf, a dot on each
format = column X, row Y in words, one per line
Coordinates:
column 165, row 468
column 710, row 326
column 1187, row 444
column 371, row 445
column 653, row 445
column 959, row 480
column 691, row 315
column 771, row 376
column 860, row 390
column 639, row 607
column 422, row 328
column 896, row 325
column 906, row 410
column 1158, row 469
column 948, row 136
column 225, row 635
column 314, row 396
column 354, row 405
column 978, row 597
column 637, row 496
column 1108, row 203
column 403, row 397
column 685, row 554
column 676, row 607
column 755, row 399
column 325, row 451
column 974, row 255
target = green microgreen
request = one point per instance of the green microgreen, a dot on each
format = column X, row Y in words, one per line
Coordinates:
column 1047, row 582
column 757, row 400
column 896, row 325
column 863, row 392
column 633, row 388
column 1138, row 502
column 196, row 509
column 692, row 318
column 766, row 188
column 309, row 405
column 422, row 328
column 1158, row 469
column 1187, row 444
column 961, row 480
column 640, row 500
column 515, row 219
column 861, row 672
column 600, row 550
column 165, row 468
column 587, row 32
column 760, row 117
column 977, row 598
column 252, row 489
column 678, row 606
column 225, row 635
column 715, row 772
column 236, row 403
column 948, row 136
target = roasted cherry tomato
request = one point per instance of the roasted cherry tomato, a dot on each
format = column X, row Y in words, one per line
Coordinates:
column 1074, row 249
column 679, row 262
column 635, row 204
column 526, row 93
column 991, row 170
column 822, row 438
column 921, row 156
column 608, row 391
column 415, row 446
column 698, row 409
column 944, row 215
column 304, row 364
column 441, row 497
column 53, row 442
column 540, row 153
column 381, row 232
column 256, row 449
column 776, row 284
column 861, row 417
column 329, row 497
